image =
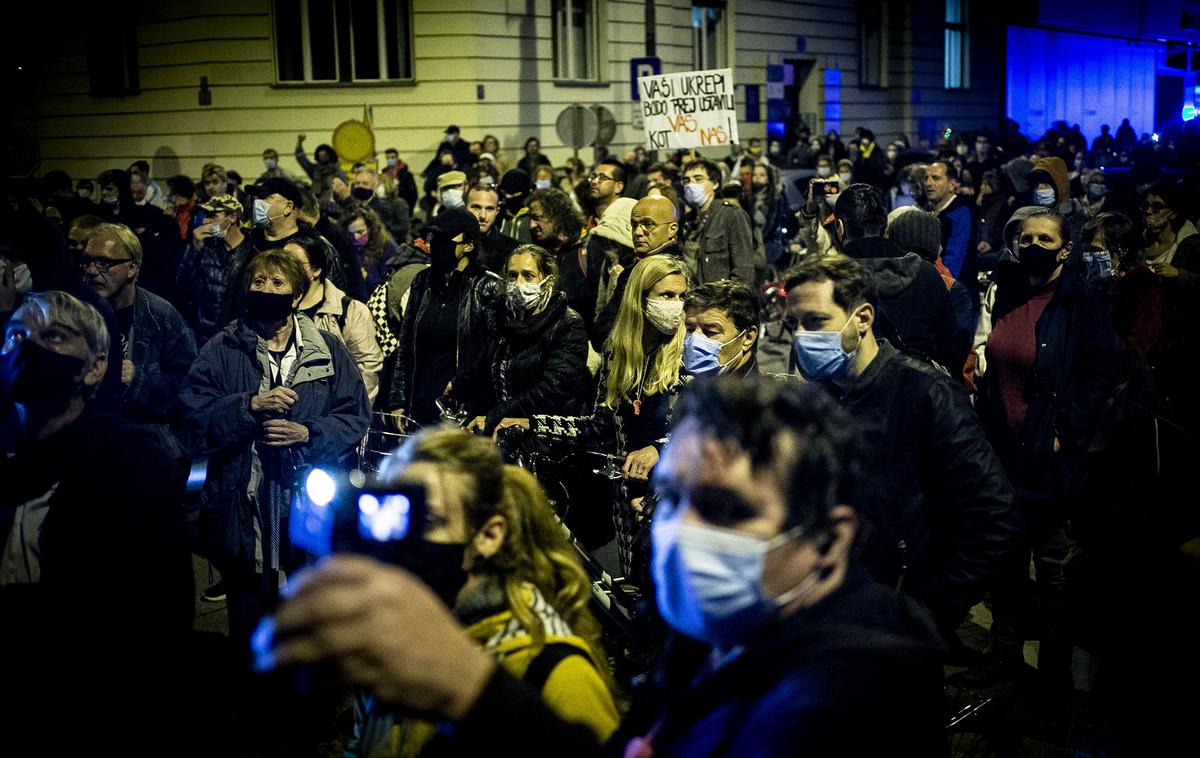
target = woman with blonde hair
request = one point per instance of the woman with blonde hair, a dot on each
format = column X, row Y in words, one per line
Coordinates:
column 496, row 555
column 639, row 377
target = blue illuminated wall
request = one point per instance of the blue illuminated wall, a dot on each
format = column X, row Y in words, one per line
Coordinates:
column 1080, row 78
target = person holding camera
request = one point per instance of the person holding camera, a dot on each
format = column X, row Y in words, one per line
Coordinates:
column 816, row 217
column 494, row 554
column 791, row 647
column 269, row 395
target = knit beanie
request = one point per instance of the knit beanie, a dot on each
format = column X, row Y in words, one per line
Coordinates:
column 915, row 231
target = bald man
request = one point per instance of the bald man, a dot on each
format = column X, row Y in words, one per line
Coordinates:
column 655, row 225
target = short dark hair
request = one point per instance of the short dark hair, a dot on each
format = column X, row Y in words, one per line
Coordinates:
column 142, row 166
column 559, row 209
column 951, row 171
column 314, row 250
column 851, row 281
column 617, row 167
column 860, row 209
column 710, row 168
column 667, row 170
column 826, row 460
column 392, row 150
column 180, row 186
column 1117, row 229
column 738, row 300
column 1064, row 229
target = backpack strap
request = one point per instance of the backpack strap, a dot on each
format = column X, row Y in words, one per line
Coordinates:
column 546, row 661
column 341, row 319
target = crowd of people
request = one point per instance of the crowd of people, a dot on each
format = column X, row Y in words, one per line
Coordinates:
column 983, row 404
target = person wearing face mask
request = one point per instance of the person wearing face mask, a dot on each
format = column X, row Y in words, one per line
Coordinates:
column 84, row 488
column 1052, row 189
column 154, row 194
column 870, row 164
column 374, row 247
column 984, row 158
column 377, row 190
column 56, row 185
column 948, row 529
column 495, row 558
column 271, row 394
column 1095, row 194
column 323, row 171
column 640, row 374
column 451, row 188
column 756, row 574
column 156, row 345
column 773, row 222
column 448, row 320
column 538, row 363
column 271, row 167
column 543, row 178
column 513, row 221
column 159, row 233
column 402, row 176
column 218, row 251
column 717, row 240
column 817, row 212
column 722, row 320
column 1052, row 364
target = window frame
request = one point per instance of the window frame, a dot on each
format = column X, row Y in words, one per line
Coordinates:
column 699, row 34
column 960, row 31
column 344, row 60
column 880, row 10
column 595, row 36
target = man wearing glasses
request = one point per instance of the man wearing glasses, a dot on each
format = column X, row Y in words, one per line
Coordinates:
column 606, row 183
column 157, row 346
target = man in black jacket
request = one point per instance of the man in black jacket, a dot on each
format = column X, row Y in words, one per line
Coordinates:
column 791, row 647
column 556, row 225
column 448, row 321
column 912, row 298
column 947, row 527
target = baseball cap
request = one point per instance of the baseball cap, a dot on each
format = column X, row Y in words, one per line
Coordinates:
column 276, row 185
column 226, row 203
column 453, row 222
column 451, row 179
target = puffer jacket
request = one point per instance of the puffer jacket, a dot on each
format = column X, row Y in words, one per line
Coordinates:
column 350, row 321
column 230, row 370
column 477, row 310
column 539, row 365
column 1075, row 371
column 948, row 512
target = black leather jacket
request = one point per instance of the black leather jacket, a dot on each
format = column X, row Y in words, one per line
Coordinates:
column 477, row 309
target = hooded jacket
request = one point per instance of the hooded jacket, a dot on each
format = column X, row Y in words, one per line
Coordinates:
column 1055, row 169
column 913, row 301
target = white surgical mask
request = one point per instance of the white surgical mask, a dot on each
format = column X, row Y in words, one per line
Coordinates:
column 1044, row 197
column 85, row 193
column 960, row 149
column 708, row 581
column 542, row 184
column 695, row 195
column 845, row 177
column 526, row 297
column 452, row 198
column 665, row 315
column 824, row 172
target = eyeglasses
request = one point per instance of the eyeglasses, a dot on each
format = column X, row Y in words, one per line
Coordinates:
column 103, row 265
column 597, row 178
column 1153, row 207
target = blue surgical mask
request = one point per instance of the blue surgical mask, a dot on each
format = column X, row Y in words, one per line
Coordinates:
column 261, row 212
column 708, row 581
column 542, row 184
column 391, row 162
column 1044, row 197
column 819, row 355
column 695, row 195
column 702, row 354
column 270, row 163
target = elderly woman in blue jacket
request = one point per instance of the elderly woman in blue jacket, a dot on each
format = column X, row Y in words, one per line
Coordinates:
column 269, row 396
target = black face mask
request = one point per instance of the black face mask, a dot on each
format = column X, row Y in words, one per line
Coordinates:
column 438, row 565
column 442, row 254
column 33, row 375
column 268, row 307
column 514, row 204
column 1037, row 261
column 362, row 194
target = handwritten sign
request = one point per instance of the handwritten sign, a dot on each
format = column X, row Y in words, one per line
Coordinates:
column 693, row 109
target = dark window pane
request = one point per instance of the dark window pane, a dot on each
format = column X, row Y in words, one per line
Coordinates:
column 289, row 50
column 399, row 60
column 364, row 21
column 321, row 36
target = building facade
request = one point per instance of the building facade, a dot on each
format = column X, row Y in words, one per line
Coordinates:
column 184, row 84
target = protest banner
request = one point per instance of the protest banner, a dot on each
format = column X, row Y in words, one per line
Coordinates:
column 688, row 110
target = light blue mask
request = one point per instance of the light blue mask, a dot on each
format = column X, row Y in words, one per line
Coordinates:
column 820, row 356
column 702, row 354
column 695, row 195
column 708, row 581
column 261, row 212
column 1044, row 197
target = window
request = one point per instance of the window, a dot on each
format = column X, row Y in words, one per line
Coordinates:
column 708, row 34
column 872, row 44
column 112, row 56
column 958, row 49
column 575, row 39
column 344, row 41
